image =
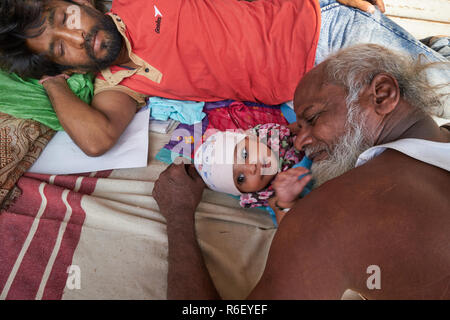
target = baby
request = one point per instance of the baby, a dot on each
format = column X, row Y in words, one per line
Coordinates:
column 246, row 164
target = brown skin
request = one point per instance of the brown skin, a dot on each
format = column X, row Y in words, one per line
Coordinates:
column 391, row 211
column 185, row 182
column 94, row 128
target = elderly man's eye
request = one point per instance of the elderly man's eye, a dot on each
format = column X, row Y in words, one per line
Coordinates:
column 313, row 119
column 240, row 179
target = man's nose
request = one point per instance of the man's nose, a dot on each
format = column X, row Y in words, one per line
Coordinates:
column 303, row 138
column 74, row 37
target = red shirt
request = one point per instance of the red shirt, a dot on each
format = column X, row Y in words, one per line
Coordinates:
column 220, row 49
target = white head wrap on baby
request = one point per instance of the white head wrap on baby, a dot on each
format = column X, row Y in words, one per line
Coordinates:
column 214, row 161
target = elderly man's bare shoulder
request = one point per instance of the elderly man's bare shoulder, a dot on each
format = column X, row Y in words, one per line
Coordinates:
column 392, row 206
column 390, row 179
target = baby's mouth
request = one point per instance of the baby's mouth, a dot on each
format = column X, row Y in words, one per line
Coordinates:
column 266, row 164
column 268, row 168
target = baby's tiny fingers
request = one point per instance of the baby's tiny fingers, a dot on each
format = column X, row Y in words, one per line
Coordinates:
column 301, row 183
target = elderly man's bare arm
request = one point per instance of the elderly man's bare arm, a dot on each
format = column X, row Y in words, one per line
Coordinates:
column 178, row 192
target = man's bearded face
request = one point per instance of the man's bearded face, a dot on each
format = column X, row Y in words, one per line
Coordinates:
column 344, row 154
column 91, row 44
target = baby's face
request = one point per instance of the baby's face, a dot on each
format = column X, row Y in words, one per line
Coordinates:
column 255, row 165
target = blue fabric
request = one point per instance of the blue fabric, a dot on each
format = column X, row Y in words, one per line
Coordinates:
column 187, row 112
column 343, row 26
column 288, row 113
column 272, row 215
column 306, row 163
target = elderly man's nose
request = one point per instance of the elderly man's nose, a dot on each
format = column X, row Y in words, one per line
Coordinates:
column 303, row 138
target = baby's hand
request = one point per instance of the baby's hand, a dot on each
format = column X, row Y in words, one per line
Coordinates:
column 288, row 186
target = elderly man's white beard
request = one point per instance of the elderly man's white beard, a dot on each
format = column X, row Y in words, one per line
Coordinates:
column 346, row 151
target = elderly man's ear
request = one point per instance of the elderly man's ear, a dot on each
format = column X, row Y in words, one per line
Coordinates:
column 383, row 94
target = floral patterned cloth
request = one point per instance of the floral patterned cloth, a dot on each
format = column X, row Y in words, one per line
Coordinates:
column 279, row 139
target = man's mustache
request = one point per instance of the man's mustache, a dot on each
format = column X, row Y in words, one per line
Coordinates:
column 89, row 42
column 310, row 150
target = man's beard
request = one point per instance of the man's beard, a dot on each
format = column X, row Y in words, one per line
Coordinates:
column 112, row 43
column 346, row 151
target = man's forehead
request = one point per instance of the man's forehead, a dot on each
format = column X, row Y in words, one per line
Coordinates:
column 50, row 8
column 310, row 86
column 58, row 5
column 52, row 4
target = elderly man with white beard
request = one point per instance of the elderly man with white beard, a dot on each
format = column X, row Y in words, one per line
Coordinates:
column 381, row 166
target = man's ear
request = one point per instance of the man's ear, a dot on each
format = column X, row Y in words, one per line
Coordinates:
column 384, row 93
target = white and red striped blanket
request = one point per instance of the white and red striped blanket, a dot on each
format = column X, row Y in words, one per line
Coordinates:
column 39, row 234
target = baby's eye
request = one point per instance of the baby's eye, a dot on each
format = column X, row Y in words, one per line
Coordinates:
column 244, row 153
column 240, row 179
